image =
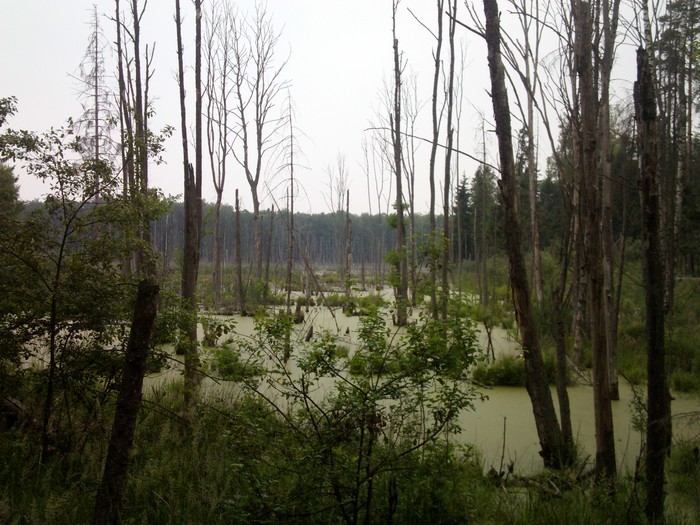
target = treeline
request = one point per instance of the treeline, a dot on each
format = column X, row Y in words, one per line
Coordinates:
column 476, row 221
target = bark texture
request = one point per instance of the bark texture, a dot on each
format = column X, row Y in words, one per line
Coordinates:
column 110, row 496
column 554, row 450
column 658, row 423
column 591, row 257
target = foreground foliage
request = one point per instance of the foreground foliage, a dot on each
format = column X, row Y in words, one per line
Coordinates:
column 307, row 441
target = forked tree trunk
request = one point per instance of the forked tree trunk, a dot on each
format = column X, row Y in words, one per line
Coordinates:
column 555, row 452
column 193, row 206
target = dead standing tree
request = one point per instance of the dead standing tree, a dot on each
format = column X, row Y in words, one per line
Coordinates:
column 658, row 403
column 448, row 163
column 109, row 500
column 555, row 451
column 218, row 90
column 97, row 121
column 401, row 288
column 436, row 117
column 257, row 76
column 193, row 203
column 590, row 259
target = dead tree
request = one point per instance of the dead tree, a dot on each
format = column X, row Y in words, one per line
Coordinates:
column 555, row 451
column 257, row 75
column 109, row 500
column 658, row 416
column 591, row 257
column 448, row 164
column 218, row 92
column 401, row 289
column 193, row 203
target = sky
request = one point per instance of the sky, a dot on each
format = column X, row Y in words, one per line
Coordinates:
column 339, row 62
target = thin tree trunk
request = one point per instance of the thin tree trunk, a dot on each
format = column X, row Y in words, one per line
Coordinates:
column 110, row 495
column 217, row 250
column 239, row 260
column 266, row 286
column 192, row 205
column 401, row 264
column 558, row 295
column 448, row 165
column 348, row 247
column 433, row 155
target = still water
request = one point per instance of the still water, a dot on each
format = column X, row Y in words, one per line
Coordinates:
column 502, row 426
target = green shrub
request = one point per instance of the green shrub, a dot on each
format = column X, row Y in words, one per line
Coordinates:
column 504, row 371
column 635, row 374
column 371, row 300
column 510, row 371
column 228, row 362
column 685, row 381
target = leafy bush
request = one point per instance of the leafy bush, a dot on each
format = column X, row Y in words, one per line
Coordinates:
column 685, row 381
column 371, row 301
column 504, row 371
column 228, row 362
column 510, row 371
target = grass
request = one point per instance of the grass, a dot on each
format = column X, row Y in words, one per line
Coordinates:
column 509, row 371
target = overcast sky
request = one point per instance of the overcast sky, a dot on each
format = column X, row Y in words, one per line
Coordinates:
column 340, row 56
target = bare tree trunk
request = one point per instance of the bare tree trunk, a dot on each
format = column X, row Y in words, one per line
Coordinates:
column 401, row 264
column 193, row 206
column 555, row 452
column 591, row 258
column 239, row 260
column 448, row 164
column 290, row 248
column 558, row 295
column 348, row 247
column 218, row 62
column 658, row 416
column 126, row 127
column 609, row 33
column 110, row 495
column 217, row 273
column 433, row 154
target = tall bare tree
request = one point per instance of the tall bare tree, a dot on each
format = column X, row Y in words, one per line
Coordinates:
column 401, row 288
column 436, row 117
column 555, row 451
column 193, row 203
column 218, row 90
column 658, row 414
column 591, row 258
column 98, row 118
column 447, row 185
column 610, row 15
column 257, row 75
column 524, row 57
column 109, row 500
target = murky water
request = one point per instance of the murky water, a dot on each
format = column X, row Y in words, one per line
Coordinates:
column 502, row 426
column 508, row 413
